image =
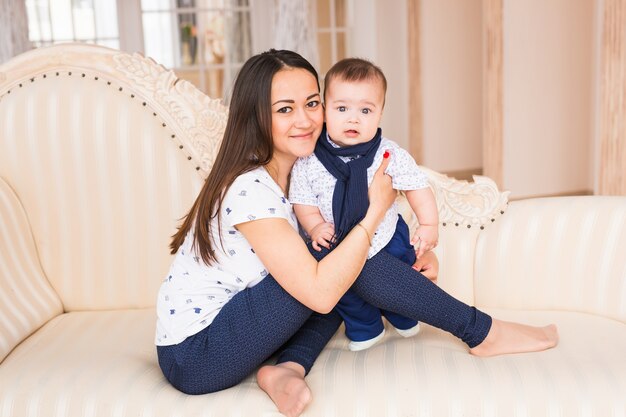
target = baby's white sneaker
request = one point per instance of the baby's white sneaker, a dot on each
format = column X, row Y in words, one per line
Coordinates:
column 409, row 332
column 366, row 344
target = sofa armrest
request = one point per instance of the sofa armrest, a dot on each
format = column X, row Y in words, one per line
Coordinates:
column 558, row 253
column 27, row 301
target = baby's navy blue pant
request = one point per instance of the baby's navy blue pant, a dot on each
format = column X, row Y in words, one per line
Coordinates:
column 364, row 321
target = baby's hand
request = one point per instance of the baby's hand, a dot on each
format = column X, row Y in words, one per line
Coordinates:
column 322, row 235
column 425, row 238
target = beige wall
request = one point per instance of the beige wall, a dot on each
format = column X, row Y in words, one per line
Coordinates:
column 451, row 45
column 451, row 74
column 548, row 96
column 379, row 33
column 392, row 44
column 549, row 91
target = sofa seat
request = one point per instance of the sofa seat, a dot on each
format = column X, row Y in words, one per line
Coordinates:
column 104, row 364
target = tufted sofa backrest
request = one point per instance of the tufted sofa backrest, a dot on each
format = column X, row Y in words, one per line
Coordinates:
column 105, row 151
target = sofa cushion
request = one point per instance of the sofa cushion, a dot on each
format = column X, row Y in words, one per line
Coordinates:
column 104, row 363
column 564, row 253
column 27, row 300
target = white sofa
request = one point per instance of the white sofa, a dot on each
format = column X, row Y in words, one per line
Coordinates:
column 102, row 152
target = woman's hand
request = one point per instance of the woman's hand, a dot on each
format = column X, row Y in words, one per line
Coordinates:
column 428, row 265
column 381, row 193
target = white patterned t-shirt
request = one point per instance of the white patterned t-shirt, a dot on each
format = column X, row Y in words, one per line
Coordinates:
column 312, row 185
column 193, row 293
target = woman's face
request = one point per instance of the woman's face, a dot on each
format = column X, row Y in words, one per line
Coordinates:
column 297, row 114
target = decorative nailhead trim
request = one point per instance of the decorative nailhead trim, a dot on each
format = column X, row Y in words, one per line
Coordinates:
column 143, row 103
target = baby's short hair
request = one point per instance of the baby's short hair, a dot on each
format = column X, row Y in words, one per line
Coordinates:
column 355, row 69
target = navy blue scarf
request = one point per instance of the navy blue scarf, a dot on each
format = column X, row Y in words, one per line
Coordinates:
column 350, row 199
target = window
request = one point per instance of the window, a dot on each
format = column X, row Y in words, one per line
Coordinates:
column 58, row 21
column 332, row 32
column 205, row 41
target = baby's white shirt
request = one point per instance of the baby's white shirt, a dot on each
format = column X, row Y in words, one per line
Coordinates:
column 311, row 184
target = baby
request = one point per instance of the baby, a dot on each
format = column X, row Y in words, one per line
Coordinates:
column 329, row 189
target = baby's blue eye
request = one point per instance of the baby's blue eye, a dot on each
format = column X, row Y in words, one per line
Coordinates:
column 366, row 111
column 341, row 108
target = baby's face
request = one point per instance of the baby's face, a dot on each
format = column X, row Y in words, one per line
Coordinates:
column 353, row 110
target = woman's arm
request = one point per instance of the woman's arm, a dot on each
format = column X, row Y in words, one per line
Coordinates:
column 319, row 286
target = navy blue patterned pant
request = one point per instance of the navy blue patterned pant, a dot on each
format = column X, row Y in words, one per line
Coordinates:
column 265, row 319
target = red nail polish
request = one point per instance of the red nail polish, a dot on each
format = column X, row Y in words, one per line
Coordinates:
column 386, row 154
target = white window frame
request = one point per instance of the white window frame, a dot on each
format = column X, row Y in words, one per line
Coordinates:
column 130, row 22
column 334, row 30
column 45, row 42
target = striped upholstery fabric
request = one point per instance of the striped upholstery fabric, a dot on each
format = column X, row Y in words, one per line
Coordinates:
column 105, row 365
column 103, row 184
column 27, row 300
column 456, row 252
column 557, row 254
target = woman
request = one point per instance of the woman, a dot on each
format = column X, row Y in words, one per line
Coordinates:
column 243, row 284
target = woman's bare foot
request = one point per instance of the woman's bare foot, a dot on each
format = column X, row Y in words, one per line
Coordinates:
column 285, row 385
column 506, row 337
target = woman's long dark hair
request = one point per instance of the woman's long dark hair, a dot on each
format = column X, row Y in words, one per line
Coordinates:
column 247, row 144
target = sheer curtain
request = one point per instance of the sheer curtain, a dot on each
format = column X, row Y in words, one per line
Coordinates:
column 13, row 29
column 238, row 40
column 294, row 28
